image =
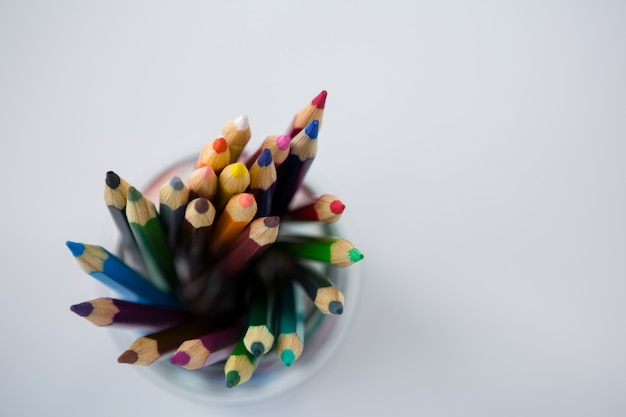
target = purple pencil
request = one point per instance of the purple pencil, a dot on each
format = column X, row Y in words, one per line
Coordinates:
column 106, row 311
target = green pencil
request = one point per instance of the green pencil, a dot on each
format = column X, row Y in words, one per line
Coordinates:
column 148, row 233
column 337, row 251
column 259, row 336
column 240, row 365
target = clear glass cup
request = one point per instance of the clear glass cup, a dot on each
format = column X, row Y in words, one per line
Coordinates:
column 323, row 333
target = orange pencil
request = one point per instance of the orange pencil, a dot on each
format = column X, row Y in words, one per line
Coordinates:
column 216, row 154
column 237, row 214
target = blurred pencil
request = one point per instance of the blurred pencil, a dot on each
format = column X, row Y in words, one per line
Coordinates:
column 106, row 311
column 202, row 183
column 278, row 146
column 173, row 198
column 146, row 227
column 215, row 154
column 237, row 133
column 118, row 276
column 324, row 294
column 237, row 214
column 200, row 352
column 327, row 208
column 233, row 179
column 240, row 366
column 263, row 182
column 259, row 335
column 289, row 324
column 147, row 349
column 311, row 111
column 337, row 251
column 199, row 217
column 291, row 173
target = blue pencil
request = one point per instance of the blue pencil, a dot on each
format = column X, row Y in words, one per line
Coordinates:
column 303, row 149
column 115, row 274
column 263, row 182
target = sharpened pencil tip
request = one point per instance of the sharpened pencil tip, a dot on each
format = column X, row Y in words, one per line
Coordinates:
column 201, row 205
column 82, row 309
column 257, row 348
column 129, row 356
column 355, row 255
column 287, row 357
column 337, row 207
column 312, row 129
column 238, row 170
column 335, row 307
column 232, row 379
column 220, row 145
column 320, row 100
column 180, row 358
column 112, row 180
column 76, row 248
column 265, row 158
column 241, row 122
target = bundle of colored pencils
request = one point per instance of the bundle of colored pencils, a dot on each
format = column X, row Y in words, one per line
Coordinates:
column 206, row 276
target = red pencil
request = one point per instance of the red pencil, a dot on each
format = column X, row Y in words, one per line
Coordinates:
column 312, row 111
column 327, row 208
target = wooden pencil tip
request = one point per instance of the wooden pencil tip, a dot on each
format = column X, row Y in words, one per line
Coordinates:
column 76, row 248
column 129, row 356
column 180, row 358
column 320, row 100
column 335, row 307
column 232, row 379
column 82, row 309
column 112, row 179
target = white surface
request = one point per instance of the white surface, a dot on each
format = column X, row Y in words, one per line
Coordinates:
column 495, row 288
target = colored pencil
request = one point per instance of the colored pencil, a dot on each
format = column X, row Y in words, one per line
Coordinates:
column 202, row 183
column 200, row 352
column 327, row 208
column 233, row 179
column 216, row 154
column 278, row 146
column 115, row 196
column 263, row 182
column 311, row 111
column 289, row 324
column 237, row 133
column 337, row 251
column 146, row 227
column 147, row 349
column 118, row 276
column 199, row 217
column 173, row 197
column 237, row 214
column 324, row 294
column 259, row 335
column 106, row 311
column 303, row 149
column 240, row 366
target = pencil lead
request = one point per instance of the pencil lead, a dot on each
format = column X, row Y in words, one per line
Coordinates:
column 201, row 205
column 180, row 358
column 232, row 379
column 177, row 183
column 112, row 179
column 312, row 129
column 129, row 356
column 82, row 309
column 287, row 357
column 355, row 255
column 241, row 122
column 220, row 145
column 337, row 207
column 134, row 194
column 265, row 158
column 335, row 307
column 257, row 348
column 76, row 248
column 320, row 100
column 283, row 141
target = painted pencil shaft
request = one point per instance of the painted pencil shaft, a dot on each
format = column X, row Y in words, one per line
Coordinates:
column 173, row 197
column 109, row 311
column 150, row 238
column 199, row 217
column 118, row 276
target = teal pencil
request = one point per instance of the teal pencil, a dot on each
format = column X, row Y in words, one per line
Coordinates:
column 259, row 335
column 290, row 323
column 146, row 227
column 118, row 276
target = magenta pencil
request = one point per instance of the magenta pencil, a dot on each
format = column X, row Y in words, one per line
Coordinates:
column 203, row 351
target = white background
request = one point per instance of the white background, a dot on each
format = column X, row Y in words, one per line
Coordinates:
column 479, row 148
